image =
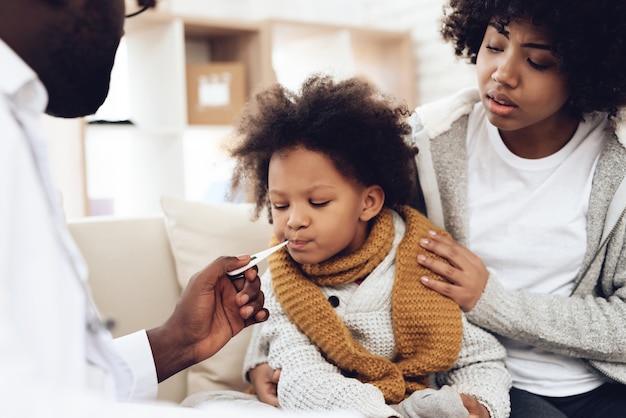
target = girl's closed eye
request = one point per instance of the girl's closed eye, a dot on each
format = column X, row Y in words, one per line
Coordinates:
column 319, row 203
column 279, row 206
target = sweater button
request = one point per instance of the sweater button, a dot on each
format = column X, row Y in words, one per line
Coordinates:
column 334, row 301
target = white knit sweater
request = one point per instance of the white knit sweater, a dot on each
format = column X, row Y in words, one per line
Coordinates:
column 309, row 382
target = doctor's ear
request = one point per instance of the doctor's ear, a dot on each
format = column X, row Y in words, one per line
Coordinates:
column 373, row 202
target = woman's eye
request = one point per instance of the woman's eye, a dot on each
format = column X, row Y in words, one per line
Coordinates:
column 279, row 206
column 537, row 66
column 493, row 48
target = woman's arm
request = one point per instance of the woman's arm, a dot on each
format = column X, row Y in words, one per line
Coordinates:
column 588, row 327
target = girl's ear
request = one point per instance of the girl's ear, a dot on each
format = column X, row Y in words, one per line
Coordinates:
column 373, row 202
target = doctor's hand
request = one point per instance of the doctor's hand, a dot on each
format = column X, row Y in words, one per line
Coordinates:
column 466, row 274
column 211, row 310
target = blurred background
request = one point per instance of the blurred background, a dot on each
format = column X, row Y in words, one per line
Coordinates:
column 185, row 68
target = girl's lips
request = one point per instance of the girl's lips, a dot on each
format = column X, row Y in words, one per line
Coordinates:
column 297, row 244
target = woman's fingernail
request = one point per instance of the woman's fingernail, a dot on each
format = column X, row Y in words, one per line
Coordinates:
column 432, row 233
column 424, row 241
column 421, row 258
column 424, row 279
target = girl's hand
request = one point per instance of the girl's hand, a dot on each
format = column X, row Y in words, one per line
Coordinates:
column 265, row 380
column 475, row 408
column 466, row 274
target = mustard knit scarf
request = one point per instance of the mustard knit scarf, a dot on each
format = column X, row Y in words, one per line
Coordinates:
column 427, row 326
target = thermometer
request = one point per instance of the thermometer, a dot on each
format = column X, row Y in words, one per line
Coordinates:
column 255, row 259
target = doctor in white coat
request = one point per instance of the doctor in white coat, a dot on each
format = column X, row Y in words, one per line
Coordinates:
column 56, row 358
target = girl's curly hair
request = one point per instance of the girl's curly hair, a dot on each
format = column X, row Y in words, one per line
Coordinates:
column 589, row 39
column 361, row 130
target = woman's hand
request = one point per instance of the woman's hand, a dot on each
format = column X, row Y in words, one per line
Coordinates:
column 466, row 274
column 265, row 381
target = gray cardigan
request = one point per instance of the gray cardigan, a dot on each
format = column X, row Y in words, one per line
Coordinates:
column 591, row 323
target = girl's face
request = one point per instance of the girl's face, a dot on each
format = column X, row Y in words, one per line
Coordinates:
column 519, row 79
column 315, row 207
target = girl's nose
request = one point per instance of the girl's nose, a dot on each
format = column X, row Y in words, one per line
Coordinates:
column 297, row 219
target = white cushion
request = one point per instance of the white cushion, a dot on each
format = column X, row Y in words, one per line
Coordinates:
column 199, row 232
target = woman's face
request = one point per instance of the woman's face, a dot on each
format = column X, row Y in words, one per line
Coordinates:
column 519, row 79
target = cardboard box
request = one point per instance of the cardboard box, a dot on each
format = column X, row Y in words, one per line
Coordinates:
column 216, row 92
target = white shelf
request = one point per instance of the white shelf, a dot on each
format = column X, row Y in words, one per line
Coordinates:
column 160, row 44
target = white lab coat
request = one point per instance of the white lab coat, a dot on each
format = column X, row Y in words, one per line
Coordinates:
column 51, row 344
column 55, row 358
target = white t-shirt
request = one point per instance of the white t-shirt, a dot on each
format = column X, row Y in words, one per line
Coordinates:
column 528, row 220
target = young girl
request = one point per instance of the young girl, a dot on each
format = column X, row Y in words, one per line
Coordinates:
column 351, row 327
column 522, row 173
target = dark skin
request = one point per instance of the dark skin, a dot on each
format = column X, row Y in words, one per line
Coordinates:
column 71, row 45
column 466, row 272
column 211, row 310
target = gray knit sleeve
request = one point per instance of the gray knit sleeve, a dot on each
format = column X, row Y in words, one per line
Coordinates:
column 588, row 327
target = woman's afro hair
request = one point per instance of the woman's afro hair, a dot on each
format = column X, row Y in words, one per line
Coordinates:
column 589, row 39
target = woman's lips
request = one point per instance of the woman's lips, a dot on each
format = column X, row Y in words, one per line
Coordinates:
column 500, row 104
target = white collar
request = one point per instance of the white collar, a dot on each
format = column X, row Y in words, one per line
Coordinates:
column 437, row 117
column 20, row 84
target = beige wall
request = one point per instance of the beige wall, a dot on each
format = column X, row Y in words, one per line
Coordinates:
column 438, row 72
column 67, row 162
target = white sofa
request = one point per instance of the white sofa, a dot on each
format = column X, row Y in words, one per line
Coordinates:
column 139, row 265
